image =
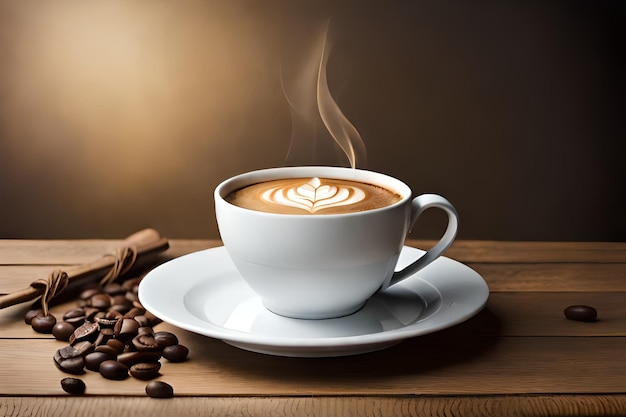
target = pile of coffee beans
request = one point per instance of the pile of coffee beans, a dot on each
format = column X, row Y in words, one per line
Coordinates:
column 111, row 333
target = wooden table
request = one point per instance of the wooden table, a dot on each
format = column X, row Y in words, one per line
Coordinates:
column 519, row 356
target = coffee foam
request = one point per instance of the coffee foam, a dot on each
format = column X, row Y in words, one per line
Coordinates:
column 312, row 196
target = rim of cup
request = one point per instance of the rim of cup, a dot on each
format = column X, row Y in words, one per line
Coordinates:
column 342, row 173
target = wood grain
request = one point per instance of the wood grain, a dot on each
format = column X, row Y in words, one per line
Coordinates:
column 321, row 406
column 519, row 356
column 506, row 314
column 71, row 252
column 452, row 362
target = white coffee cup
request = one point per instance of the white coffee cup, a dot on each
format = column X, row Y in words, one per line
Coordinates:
column 318, row 266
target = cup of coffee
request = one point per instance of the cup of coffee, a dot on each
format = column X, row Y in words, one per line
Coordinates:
column 316, row 242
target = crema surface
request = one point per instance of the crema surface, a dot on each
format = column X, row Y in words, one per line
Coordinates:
column 312, row 196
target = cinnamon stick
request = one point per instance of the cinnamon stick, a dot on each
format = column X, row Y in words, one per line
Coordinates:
column 143, row 242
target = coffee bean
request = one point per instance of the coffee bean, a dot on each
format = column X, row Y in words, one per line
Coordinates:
column 581, row 313
column 100, row 301
column 73, row 386
column 134, row 312
column 159, row 389
column 175, row 353
column 131, row 358
column 43, row 324
column 126, row 329
column 68, row 352
column 142, row 320
column 110, row 350
column 63, row 330
column 112, row 369
column 88, row 331
column 88, row 293
column 116, row 344
column 83, row 347
column 104, row 336
column 107, row 318
column 165, row 339
column 145, row 370
column 75, row 316
column 121, row 304
column 28, row 317
column 90, row 314
column 132, row 297
column 114, row 288
column 146, row 330
column 145, row 343
column 94, row 359
column 73, row 365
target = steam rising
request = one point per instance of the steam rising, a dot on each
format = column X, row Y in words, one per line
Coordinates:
column 314, row 111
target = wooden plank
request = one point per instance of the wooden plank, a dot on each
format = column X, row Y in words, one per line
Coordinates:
column 499, row 276
column 451, row 362
column 70, row 252
column 551, row 277
column 490, row 251
column 506, row 314
column 541, row 314
column 73, row 252
column 513, row 252
column 326, row 406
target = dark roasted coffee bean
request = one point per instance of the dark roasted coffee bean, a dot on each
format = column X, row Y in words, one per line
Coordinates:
column 114, row 288
column 68, row 352
column 159, row 389
column 116, row 344
column 132, row 297
column 73, row 365
column 100, row 301
column 581, row 313
column 134, row 312
column 107, row 318
column 146, row 343
column 131, row 283
column 43, row 324
column 105, row 335
column 145, row 371
column 110, row 350
column 90, row 314
column 94, row 359
column 111, row 369
column 121, row 304
column 28, row 317
column 88, row 331
column 165, row 339
column 146, row 330
column 131, row 358
column 175, row 353
column 63, row 330
column 154, row 320
column 126, row 329
column 142, row 320
column 83, row 347
column 90, row 292
column 76, row 317
column 73, row 386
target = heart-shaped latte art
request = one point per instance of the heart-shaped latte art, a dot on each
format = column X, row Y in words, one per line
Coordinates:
column 313, row 196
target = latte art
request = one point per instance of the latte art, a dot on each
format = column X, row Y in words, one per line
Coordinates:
column 312, row 196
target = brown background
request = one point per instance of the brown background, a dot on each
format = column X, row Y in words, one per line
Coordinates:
column 118, row 115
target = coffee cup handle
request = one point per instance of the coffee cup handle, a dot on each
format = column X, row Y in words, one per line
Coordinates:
column 419, row 205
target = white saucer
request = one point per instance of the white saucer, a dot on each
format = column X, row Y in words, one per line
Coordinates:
column 203, row 292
